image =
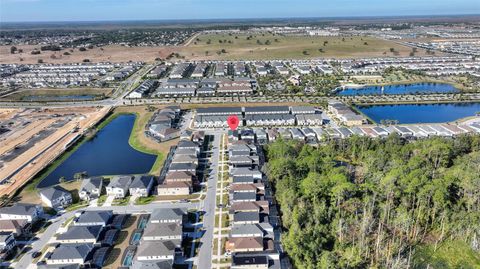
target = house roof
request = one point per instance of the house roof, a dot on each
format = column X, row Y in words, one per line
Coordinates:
column 174, row 175
column 54, row 192
column 246, row 216
column 89, row 184
column 94, row 217
column 156, row 248
column 141, row 182
column 246, row 242
column 260, row 206
column 246, row 229
column 19, row 209
column 10, row 225
column 175, row 184
column 241, row 196
column 162, row 229
column 120, row 182
column 245, row 260
column 81, row 232
column 162, row 214
column 71, row 251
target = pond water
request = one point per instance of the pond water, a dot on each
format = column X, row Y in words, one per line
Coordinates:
column 400, row 89
column 426, row 113
column 108, row 153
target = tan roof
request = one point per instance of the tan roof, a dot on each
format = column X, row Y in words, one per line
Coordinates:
column 244, row 187
column 175, row 184
column 246, row 242
column 179, row 175
column 260, row 206
column 12, row 225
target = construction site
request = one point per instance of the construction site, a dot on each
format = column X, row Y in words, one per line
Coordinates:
column 31, row 139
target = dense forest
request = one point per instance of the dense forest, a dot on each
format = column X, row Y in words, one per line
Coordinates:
column 371, row 203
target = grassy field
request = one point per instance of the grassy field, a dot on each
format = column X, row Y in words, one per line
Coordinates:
column 99, row 92
column 269, row 46
column 449, row 254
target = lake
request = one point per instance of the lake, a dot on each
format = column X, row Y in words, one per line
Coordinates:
column 426, row 113
column 401, row 89
column 108, row 153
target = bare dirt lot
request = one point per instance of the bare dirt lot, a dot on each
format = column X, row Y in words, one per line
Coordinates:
column 38, row 139
column 114, row 53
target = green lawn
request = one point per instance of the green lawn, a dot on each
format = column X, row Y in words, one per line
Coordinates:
column 449, row 254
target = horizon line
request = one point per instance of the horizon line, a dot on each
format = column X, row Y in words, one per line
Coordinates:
column 248, row 18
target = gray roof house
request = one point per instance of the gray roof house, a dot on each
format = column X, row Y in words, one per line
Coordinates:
column 70, row 254
column 80, row 235
column 119, row 186
column 141, row 186
column 93, row 218
column 19, row 211
column 56, row 197
column 168, row 215
column 156, row 251
column 162, row 231
column 91, row 188
column 246, row 218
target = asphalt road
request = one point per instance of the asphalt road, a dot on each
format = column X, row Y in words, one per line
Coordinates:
column 208, row 205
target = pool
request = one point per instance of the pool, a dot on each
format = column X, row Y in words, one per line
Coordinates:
column 128, row 258
column 142, row 223
column 136, row 236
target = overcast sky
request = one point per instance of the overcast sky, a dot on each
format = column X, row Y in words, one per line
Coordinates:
column 93, row 10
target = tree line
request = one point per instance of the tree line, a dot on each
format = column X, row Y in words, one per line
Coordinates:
column 369, row 203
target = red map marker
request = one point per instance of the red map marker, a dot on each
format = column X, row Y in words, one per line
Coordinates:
column 233, row 122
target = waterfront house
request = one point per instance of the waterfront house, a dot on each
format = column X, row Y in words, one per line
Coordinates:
column 119, row 186
column 56, row 197
column 91, row 188
column 141, row 186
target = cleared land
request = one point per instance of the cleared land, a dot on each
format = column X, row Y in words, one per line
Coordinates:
column 25, row 163
column 113, row 53
column 52, row 93
column 269, row 46
column 208, row 47
column 449, row 254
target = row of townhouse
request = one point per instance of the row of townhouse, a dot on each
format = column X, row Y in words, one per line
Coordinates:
column 205, row 87
column 162, row 126
column 251, row 238
column 215, row 117
column 181, row 176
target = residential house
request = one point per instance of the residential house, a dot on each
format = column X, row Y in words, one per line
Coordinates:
column 20, row 211
column 91, row 188
column 56, row 197
column 80, row 235
column 17, row 227
column 156, row 251
column 70, row 254
column 162, row 231
column 174, row 188
column 244, row 244
column 254, row 261
column 141, row 186
column 94, row 218
column 168, row 215
column 119, row 186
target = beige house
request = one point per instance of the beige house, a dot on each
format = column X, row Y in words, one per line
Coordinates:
column 175, row 188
